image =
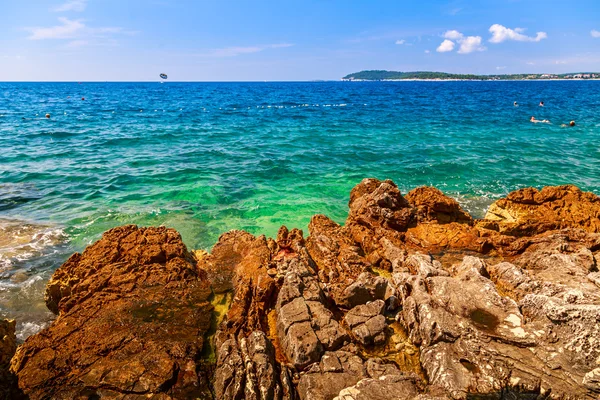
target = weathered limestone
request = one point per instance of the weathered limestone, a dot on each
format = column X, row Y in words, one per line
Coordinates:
column 411, row 298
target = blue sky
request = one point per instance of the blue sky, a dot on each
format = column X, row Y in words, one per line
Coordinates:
column 134, row 40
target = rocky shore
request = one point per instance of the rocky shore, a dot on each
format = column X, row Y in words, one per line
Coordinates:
column 411, row 298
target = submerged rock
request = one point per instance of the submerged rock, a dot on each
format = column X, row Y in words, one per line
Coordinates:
column 411, row 298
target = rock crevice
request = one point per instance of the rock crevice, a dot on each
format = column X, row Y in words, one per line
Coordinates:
column 410, row 298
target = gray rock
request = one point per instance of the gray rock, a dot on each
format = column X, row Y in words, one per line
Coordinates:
column 367, row 287
column 367, row 322
column 336, row 371
column 473, row 340
column 305, row 326
column 376, row 368
column 246, row 369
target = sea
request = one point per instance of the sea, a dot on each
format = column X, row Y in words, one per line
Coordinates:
column 205, row 158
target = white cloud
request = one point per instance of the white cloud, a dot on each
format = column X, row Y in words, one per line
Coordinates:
column 68, row 30
column 427, row 52
column 467, row 44
column 470, row 44
column 501, row 33
column 595, row 33
column 401, row 41
column 73, row 5
column 453, row 35
column 236, row 51
column 447, row 45
column 78, row 33
column 530, row 63
column 500, row 68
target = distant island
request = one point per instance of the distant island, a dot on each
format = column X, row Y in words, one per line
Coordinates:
column 382, row 75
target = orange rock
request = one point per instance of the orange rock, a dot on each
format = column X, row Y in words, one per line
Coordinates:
column 433, row 206
column 526, row 212
column 132, row 313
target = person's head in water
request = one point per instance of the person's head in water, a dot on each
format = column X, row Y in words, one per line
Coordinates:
column 47, row 115
column 572, row 123
column 532, row 118
column 541, row 104
column 515, row 103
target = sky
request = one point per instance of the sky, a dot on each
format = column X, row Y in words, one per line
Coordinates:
column 135, row 40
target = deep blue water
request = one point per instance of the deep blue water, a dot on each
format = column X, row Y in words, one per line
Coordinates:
column 208, row 157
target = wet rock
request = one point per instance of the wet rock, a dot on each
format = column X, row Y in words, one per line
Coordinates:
column 531, row 211
column 132, row 313
column 367, row 322
column 8, row 345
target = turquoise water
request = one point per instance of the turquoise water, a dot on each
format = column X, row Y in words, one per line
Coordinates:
column 205, row 158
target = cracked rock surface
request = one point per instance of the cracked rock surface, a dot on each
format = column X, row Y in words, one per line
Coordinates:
column 411, row 298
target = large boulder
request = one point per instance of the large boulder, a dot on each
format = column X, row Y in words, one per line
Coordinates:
column 132, row 312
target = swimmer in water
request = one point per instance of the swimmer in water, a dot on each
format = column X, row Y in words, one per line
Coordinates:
column 516, row 104
column 541, row 104
column 48, row 116
column 572, row 123
column 535, row 121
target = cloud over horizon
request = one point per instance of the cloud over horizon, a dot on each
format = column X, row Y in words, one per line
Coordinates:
column 467, row 44
column 445, row 46
column 501, row 34
column 595, row 33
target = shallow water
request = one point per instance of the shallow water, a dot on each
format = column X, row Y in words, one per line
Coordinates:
column 205, row 158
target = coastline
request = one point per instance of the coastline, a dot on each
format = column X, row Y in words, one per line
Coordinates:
column 344, row 294
column 468, row 80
